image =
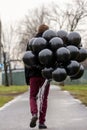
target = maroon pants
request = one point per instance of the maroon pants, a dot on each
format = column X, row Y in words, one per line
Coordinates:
column 35, row 85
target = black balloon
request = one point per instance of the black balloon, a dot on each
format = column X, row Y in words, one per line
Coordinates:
column 29, row 59
column 63, row 55
column 47, row 73
column 45, row 57
column 63, row 35
column 30, row 43
column 39, row 44
column 72, row 68
column 74, row 52
column 80, row 45
column 56, row 43
column 82, row 55
column 74, row 38
column 59, row 74
column 79, row 73
column 56, row 50
column 49, row 34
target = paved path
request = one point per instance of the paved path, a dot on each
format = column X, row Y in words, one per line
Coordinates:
column 64, row 113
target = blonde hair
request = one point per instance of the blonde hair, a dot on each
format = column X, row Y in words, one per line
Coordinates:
column 42, row 28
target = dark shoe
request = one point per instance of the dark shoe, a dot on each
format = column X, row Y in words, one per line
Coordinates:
column 42, row 126
column 33, row 121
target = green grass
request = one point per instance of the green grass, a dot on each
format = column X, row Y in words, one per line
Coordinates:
column 12, row 89
column 5, row 99
column 78, row 91
column 9, row 93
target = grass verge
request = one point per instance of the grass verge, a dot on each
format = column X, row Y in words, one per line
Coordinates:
column 9, row 93
column 5, row 99
column 78, row 91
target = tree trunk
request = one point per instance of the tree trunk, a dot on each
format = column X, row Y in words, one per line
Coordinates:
column 5, row 69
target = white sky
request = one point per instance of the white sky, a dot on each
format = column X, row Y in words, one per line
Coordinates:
column 14, row 10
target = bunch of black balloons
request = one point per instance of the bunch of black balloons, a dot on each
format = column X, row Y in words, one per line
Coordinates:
column 58, row 54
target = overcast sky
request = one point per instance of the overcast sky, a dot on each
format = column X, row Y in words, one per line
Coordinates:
column 14, row 10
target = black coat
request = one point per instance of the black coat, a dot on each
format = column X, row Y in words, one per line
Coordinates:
column 32, row 72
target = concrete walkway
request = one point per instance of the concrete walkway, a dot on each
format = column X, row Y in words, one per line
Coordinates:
column 64, row 112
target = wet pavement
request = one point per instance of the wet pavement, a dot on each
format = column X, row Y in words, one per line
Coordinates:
column 64, row 112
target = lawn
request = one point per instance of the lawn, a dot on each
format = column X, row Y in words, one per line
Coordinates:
column 78, row 91
column 9, row 93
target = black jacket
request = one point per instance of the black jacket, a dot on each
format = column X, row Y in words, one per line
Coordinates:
column 32, row 72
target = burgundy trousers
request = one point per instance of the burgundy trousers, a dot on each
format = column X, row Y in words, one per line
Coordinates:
column 35, row 85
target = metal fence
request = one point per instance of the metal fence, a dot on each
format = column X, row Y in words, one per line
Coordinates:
column 18, row 78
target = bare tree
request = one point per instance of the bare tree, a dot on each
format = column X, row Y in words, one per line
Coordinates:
column 57, row 17
column 76, row 13
column 8, row 40
column 72, row 17
column 29, row 25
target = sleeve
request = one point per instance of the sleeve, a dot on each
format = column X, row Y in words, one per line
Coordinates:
column 27, row 48
column 27, row 75
column 26, row 70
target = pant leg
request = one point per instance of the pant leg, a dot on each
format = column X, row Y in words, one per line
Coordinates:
column 44, row 106
column 34, row 89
